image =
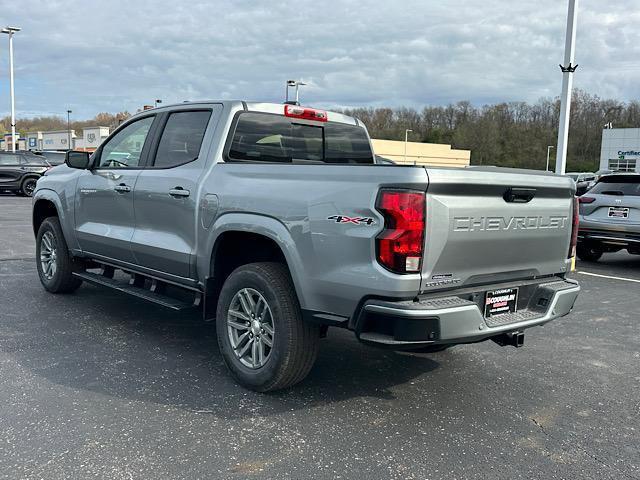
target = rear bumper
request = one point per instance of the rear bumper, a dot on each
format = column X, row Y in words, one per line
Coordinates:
column 617, row 237
column 454, row 319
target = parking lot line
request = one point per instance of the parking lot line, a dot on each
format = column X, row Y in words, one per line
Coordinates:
column 611, row 277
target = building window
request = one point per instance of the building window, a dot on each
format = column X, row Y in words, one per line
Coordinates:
column 622, row 164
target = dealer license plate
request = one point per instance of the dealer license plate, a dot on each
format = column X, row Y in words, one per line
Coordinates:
column 618, row 212
column 500, row 301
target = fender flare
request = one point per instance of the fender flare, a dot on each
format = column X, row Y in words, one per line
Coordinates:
column 67, row 228
column 257, row 224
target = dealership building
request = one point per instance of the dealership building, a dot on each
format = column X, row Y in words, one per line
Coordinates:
column 620, row 150
column 432, row 154
column 90, row 139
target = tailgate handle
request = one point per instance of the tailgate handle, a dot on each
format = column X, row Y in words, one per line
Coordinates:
column 519, row 195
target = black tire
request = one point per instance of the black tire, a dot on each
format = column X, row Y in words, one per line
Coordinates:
column 61, row 280
column 294, row 342
column 589, row 253
column 28, row 186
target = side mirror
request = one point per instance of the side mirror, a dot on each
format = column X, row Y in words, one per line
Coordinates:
column 75, row 159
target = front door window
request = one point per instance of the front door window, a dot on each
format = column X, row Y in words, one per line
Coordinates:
column 125, row 148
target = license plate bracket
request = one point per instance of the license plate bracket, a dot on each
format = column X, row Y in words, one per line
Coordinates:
column 498, row 302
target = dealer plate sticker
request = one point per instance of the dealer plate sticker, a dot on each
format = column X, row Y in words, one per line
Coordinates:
column 618, row 212
column 500, row 301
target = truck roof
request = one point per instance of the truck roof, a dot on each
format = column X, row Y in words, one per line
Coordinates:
column 265, row 107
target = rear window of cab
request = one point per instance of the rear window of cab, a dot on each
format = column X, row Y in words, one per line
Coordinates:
column 265, row 137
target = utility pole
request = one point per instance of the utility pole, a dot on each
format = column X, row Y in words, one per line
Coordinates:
column 567, row 82
column 69, row 129
column 10, row 31
column 549, row 147
column 406, row 139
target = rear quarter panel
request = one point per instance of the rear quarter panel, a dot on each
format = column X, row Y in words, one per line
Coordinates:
column 333, row 263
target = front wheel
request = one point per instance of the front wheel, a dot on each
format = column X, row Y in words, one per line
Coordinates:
column 54, row 262
column 588, row 253
column 263, row 340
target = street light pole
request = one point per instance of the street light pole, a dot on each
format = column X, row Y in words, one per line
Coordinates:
column 567, row 82
column 69, row 129
column 549, row 147
column 293, row 83
column 10, row 31
column 406, row 139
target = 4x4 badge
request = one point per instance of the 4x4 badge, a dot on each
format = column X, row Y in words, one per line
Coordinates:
column 354, row 220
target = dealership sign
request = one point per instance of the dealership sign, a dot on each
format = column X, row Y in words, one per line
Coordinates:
column 629, row 153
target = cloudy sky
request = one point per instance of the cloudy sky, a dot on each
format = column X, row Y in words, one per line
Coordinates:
column 94, row 56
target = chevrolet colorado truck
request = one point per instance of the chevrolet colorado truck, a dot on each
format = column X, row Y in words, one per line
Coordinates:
column 277, row 222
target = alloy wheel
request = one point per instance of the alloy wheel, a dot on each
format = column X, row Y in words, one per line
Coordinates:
column 250, row 328
column 48, row 255
column 29, row 187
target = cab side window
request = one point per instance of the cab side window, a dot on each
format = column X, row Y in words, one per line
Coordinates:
column 125, row 148
column 182, row 138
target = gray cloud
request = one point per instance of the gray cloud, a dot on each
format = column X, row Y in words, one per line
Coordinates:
column 108, row 56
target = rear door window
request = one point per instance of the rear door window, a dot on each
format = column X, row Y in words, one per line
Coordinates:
column 261, row 137
column 34, row 161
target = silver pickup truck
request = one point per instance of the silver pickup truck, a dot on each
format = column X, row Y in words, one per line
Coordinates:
column 276, row 222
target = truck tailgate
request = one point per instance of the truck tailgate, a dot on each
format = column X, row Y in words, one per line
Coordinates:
column 481, row 227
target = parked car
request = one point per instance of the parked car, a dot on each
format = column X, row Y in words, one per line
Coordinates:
column 54, row 157
column 584, row 181
column 20, row 171
column 610, row 217
column 277, row 223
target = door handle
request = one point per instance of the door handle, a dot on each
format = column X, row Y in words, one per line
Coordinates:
column 122, row 188
column 179, row 192
column 519, row 195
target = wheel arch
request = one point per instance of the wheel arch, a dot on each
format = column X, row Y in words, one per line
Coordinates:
column 46, row 203
column 238, row 239
column 42, row 208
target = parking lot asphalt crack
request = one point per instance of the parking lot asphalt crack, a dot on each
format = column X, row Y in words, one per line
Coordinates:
column 539, row 425
column 586, row 452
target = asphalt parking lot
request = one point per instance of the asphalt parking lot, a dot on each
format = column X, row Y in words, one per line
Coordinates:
column 96, row 384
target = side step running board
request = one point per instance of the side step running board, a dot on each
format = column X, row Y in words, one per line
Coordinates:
column 139, row 292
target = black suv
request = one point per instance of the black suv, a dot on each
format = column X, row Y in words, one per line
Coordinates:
column 20, row 171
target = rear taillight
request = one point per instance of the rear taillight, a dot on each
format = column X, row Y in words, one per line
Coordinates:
column 574, row 229
column 295, row 111
column 400, row 245
column 586, row 199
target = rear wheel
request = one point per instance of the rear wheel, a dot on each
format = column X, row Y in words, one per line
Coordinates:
column 28, row 186
column 589, row 253
column 53, row 260
column 263, row 340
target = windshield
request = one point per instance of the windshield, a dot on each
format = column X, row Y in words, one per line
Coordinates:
column 262, row 137
column 618, row 186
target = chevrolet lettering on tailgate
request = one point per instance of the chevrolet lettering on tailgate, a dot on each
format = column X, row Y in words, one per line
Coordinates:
column 473, row 224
